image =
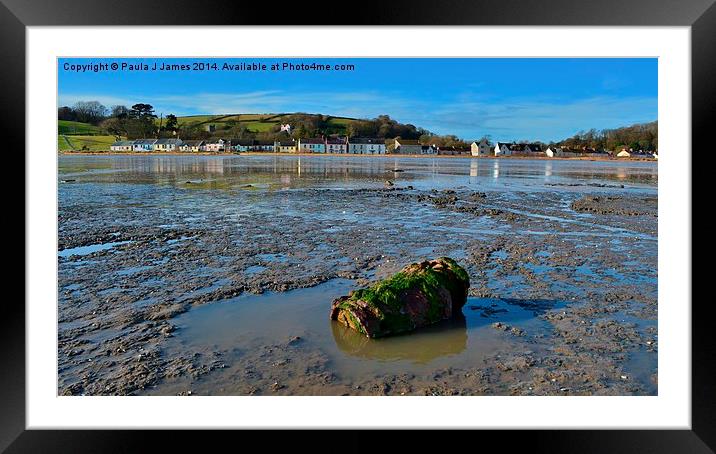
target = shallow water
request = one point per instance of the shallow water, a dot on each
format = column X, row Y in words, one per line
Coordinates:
column 244, row 320
column 144, row 234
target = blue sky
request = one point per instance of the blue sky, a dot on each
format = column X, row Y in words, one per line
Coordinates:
column 507, row 99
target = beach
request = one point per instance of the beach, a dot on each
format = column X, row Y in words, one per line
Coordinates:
column 213, row 275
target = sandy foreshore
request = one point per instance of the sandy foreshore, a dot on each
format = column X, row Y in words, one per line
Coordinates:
column 221, row 283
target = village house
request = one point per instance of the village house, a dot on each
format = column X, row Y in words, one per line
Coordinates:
column 502, row 149
column 553, row 151
column 525, row 149
column 242, row 145
column 122, row 145
column 337, row 146
column 481, row 148
column 288, row 146
column 412, row 147
column 262, row 145
column 311, row 146
column 144, row 144
column 191, row 145
column 167, row 144
column 366, row 145
column 214, row 145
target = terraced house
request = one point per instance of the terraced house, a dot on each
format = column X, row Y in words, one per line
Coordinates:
column 403, row 146
column 144, row 144
column 191, row 145
column 167, row 144
column 122, row 145
column 288, row 146
column 338, row 146
column 262, row 145
column 215, row 145
column 366, row 145
column 311, row 146
column 241, row 145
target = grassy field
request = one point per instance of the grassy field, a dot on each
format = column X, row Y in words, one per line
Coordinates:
column 76, row 128
column 93, row 143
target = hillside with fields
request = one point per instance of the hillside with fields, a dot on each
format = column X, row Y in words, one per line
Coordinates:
column 261, row 123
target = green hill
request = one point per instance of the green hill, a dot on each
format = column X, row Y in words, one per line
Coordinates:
column 254, row 122
column 76, row 128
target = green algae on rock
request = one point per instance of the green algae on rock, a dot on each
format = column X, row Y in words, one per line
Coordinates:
column 419, row 295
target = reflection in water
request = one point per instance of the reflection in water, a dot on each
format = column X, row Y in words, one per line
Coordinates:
column 346, row 171
column 474, row 168
column 421, row 346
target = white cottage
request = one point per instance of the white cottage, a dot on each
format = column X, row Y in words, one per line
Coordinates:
column 215, row 145
column 122, row 145
column 481, row 148
column 553, row 151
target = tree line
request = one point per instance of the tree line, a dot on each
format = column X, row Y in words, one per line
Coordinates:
column 642, row 136
column 139, row 121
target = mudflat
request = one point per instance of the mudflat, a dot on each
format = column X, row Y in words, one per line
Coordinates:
column 191, row 275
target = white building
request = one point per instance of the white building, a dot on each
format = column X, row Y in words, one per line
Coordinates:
column 215, row 145
column 366, row 145
column 336, row 146
column 551, row 152
column 122, row 145
column 482, row 148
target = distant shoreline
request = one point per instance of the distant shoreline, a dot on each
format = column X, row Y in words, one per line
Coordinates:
column 258, row 153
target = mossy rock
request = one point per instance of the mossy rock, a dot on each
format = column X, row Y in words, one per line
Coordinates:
column 419, row 295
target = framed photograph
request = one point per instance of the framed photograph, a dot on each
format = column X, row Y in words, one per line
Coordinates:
column 466, row 217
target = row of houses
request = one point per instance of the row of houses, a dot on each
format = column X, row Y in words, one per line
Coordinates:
column 484, row 148
column 358, row 145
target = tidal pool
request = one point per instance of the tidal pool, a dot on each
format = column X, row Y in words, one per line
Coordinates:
column 215, row 274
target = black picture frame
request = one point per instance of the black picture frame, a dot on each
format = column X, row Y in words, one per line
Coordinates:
column 16, row 15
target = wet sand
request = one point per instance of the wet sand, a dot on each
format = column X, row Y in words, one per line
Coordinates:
column 214, row 275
